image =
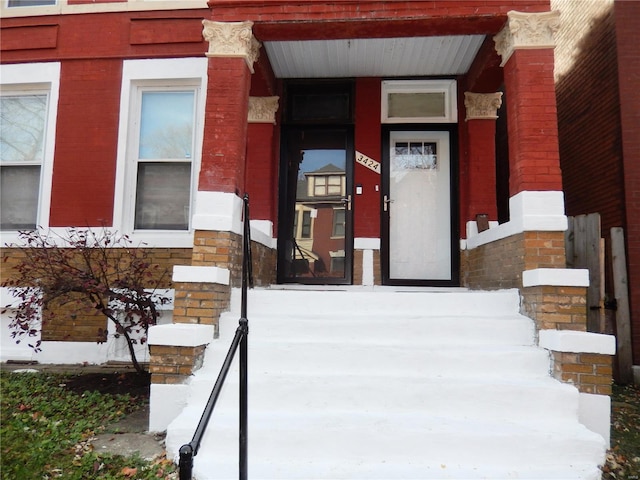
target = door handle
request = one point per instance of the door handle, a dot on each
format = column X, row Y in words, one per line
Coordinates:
column 347, row 201
column 385, row 203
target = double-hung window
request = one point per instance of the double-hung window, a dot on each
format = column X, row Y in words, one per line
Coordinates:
column 23, row 128
column 163, row 152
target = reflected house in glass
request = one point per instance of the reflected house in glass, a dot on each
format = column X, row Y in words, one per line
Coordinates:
column 319, row 223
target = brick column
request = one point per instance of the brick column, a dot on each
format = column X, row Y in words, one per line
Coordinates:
column 232, row 51
column 203, row 289
column 481, row 109
column 526, row 47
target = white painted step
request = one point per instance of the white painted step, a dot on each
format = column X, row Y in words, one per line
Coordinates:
column 389, row 385
column 381, row 301
column 363, row 446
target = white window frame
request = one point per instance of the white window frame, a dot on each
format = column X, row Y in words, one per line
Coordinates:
column 36, row 78
column 160, row 75
column 448, row 87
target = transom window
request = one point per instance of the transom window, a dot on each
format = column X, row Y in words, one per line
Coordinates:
column 419, row 101
column 23, row 127
column 163, row 171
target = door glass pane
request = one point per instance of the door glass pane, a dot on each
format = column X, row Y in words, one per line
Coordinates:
column 419, row 212
column 163, row 196
column 19, row 196
column 316, row 242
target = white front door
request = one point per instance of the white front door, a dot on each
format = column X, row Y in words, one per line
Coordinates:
column 417, row 210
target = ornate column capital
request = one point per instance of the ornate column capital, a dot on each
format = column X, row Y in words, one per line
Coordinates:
column 526, row 30
column 482, row 106
column 231, row 39
column 263, row 109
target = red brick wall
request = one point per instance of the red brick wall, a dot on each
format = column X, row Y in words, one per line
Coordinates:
column 589, row 128
column 598, row 117
column 104, row 35
column 224, row 147
column 262, row 171
column 480, row 171
column 627, row 16
column 533, row 141
column 286, row 20
column 367, row 140
column 86, row 143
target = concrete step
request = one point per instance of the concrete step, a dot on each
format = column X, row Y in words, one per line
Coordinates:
column 325, row 445
column 389, row 385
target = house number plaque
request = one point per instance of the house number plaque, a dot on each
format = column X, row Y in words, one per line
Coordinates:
column 368, row 162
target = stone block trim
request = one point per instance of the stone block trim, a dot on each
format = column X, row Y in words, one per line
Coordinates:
column 556, row 307
column 200, row 303
column 589, row 372
column 174, row 364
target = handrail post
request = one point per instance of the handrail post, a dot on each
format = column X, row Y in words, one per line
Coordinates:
column 244, row 404
column 244, row 327
column 185, row 465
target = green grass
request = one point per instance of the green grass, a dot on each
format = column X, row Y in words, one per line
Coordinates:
column 45, row 431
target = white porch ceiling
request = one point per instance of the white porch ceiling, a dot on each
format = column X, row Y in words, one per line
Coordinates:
column 373, row 57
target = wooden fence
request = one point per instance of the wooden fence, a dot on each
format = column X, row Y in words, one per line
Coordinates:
column 585, row 248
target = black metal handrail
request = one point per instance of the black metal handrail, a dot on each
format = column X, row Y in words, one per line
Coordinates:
column 190, row 450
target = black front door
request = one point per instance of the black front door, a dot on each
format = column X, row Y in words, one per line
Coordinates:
column 315, row 241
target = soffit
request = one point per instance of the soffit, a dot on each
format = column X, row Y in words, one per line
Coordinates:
column 373, row 57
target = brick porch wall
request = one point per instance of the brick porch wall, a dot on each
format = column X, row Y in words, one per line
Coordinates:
column 69, row 325
column 500, row 264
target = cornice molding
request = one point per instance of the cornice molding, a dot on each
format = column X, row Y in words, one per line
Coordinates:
column 526, row 31
column 263, row 109
column 231, row 39
column 482, row 106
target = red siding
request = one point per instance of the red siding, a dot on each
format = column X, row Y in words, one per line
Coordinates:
column 86, row 143
column 367, row 139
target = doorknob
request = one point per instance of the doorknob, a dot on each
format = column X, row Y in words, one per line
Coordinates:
column 385, row 203
column 347, row 201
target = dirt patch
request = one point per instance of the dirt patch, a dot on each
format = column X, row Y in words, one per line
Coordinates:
column 134, row 384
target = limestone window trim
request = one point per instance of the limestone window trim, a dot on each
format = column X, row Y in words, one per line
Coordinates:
column 231, row 39
column 527, row 31
column 482, row 106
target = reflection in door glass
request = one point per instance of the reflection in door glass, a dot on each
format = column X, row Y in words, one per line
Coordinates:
column 316, row 240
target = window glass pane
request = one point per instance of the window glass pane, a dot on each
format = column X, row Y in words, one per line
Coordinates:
column 22, row 127
column 338, row 223
column 163, row 196
column 166, row 125
column 19, row 186
column 29, row 3
column 416, row 105
column 306, row 224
